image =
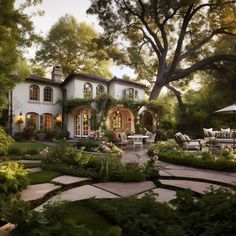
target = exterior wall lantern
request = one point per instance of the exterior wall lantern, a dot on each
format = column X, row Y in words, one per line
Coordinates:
column 19, row 119
column 58, row 120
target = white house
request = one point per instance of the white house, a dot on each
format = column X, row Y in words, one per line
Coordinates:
column 35, row 102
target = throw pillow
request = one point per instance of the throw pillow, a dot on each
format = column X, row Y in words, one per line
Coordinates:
column 187, row 138
column 207, row 131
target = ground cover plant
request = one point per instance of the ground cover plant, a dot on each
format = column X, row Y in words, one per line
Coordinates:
column 67, row 219
column 170, row 152
column 67, row 159
column 212, row 214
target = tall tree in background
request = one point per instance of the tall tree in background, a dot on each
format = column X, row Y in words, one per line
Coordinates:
column 16, row 32
column 166, row 40
column 74, row 46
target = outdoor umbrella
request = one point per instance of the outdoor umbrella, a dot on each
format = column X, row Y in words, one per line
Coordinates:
column 229, row 110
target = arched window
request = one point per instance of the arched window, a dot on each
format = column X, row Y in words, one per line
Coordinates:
column 48, row 94
column 99, row 89
column 88, row 90
column 47, row 121
column 32, row 120
column 130, row 93
column 136, row 94
column 34, row 93
column 117, row 120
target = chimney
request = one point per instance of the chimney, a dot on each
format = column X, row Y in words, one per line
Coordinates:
column 57, row 74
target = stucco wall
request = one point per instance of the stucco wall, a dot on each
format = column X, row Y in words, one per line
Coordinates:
column 22, row 104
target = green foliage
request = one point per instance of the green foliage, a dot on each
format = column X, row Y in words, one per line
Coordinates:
column 169, row 151
column 13, row 178
column 212, row 214
column 5, row 142
column 88, row 144
column 67, row 159
column 68, row 219
column 155, row 48
column 74, row 46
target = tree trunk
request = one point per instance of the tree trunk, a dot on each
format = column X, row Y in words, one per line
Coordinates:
column 156, row 91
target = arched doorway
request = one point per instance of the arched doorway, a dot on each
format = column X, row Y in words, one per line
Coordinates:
column 121, row 119
column 146, row 120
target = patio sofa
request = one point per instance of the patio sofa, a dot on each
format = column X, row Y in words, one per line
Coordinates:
column 223, row 136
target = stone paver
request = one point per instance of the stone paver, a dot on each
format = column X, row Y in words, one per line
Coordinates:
column 79, row 193
column 37, row 191
column 28, row 161
column 126, row 189
column 203, row 174
column 164, row 195
column 34, row 170
column 199, row 187
column 66, row 180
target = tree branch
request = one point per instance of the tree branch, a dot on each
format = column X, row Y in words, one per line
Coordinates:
column 201, row 65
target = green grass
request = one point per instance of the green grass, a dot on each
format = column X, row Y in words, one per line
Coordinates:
column 42, row 176
column 83, row 215
column 24, row 146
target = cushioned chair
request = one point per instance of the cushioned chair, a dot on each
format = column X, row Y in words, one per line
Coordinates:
column 123, row 139
column 151, row 138
column 188, row 144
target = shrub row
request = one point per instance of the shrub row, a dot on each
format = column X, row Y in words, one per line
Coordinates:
column 205, row 160
column 103, row 167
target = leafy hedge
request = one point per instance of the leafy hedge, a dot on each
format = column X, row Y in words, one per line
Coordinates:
column 169, row 152
column 13, row 178
column 213, row 214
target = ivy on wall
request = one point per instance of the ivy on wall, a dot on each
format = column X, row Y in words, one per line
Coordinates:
column 103, row 103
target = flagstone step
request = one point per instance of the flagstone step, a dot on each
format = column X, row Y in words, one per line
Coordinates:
column 79, row 193
column 34, row 170
column 199, row 174
column 126, row 189
column 37, row 191
column 164, row 195
column 68, row 180
column 196, row 186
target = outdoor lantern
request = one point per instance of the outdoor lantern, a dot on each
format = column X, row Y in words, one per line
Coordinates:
column 58, row 119
column 19, row 119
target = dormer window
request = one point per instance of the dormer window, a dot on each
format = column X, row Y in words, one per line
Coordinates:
column 99, row 89
column 48, row 94
column 34, row 93
column 88, row 90
column 130, row 93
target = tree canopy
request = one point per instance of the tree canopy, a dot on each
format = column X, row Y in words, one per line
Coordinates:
column 167, row 40
column 73, row 46
column 16, row 32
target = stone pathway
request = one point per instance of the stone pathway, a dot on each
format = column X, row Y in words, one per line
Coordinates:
column 138, row 189
column 67, row 180
column 37, row 191
column 126, row 189
column 79, row 193
column 34, row 170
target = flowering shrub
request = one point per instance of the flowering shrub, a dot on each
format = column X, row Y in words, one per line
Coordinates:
column 226, row 152
column 5, row 141
column 110, row 147
column 95, row 135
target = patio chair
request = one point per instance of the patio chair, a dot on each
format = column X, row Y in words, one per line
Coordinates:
column 151, row 138
column 123, row 139
column 188, row 144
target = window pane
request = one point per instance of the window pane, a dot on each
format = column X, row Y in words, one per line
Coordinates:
column 99, row 89
column 88, row 89
column 34, row 92
column 47, row 122
column 48, row 94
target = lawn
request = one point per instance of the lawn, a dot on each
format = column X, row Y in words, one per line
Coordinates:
column 24, row 146
column 42, row 176
column 31, row 165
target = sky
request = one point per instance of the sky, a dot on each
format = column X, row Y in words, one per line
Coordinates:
column 54, row 9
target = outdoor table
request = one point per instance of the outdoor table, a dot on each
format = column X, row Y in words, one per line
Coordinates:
column 138, row 138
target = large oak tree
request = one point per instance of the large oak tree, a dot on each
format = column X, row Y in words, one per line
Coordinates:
column 73, row 46
column 166, row 41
